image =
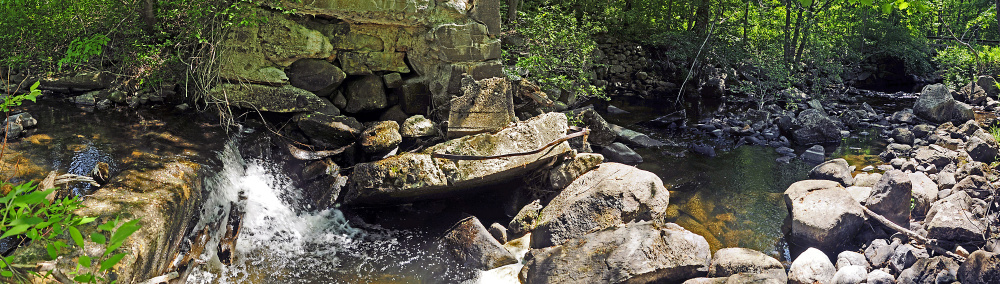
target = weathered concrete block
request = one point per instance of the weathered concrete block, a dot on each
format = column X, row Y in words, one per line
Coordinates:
column 486, row 106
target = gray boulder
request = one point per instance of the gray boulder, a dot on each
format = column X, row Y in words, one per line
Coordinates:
column 365, row 94
column 982, row 150
column 902, row 258
column 634, row 138
column 935, row 154
column 939, row 269
column 817, row 127
column 472, row 245
column 981, row 267
column 731, row 261
column 851, row 274
column 836, row 170
column 610, row 195
column 891, row 197
column 952, row 219
column 267, row 98
column 815, row 154
column 563, row 174
column 418, row 126
column 880, row 277
column 867, row 179
column 925, row 192
column 314, row 75
column 812, row 266
column 903, row 136
column 380, row 138
column 823, row 213
column 336, row 131
column 936, row 104
column 620, row 153
column 601, row 133
column 846, row 258
column 631, row 253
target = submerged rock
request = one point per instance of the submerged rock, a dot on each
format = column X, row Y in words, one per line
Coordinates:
column 631, row 253
column 610, row 195
column 472, row 245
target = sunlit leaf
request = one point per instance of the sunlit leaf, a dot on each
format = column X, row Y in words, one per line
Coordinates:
column 77, row 237
column 98, row 238
column 84, row 260
column 111, row 261
column 16, row 230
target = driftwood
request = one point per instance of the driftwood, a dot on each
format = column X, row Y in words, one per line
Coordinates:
column 227, row 245
column 315, row 155
column 581, row 132
column 162, row 278
column 930, row 243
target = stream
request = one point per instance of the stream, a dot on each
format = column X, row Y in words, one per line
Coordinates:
column 733, row 199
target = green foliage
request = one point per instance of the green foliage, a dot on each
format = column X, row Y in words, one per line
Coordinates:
column 559, row 50
column 27, row 213
column 82, row 49
column 958, row 65
column 14, row 101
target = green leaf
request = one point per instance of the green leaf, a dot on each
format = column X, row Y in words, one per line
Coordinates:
column 98, row 238
column 111, row 261
column 24, row 220
column 904, row 5
column 886, row 8
column 53, row 250
column 108, row 226
column 85, row 261
column 84, row 278
column 16, row 230
column 32, row 198
column 77, row 237
column 806, row 3
column 123, row 233
column 86, row 220
column 6, row 273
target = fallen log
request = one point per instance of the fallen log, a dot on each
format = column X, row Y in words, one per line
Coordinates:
column 931, row 243
column 315, row 155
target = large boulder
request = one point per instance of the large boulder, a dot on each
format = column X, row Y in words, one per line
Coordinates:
column 314, row 74
column 935, row 154
column 981, row 267
column 730, row 261
column 851, row 274
column 631, row 253
column 890, row 197
column 485, row 106
column 267, row 98
column 817, row 128
column 365, row 94
column 936, row 104
column 335, row 131
column 812, row 266
column 601, row 133
column 407, row 177
column 952, row 219
column 610, row 195
column 823, row 213
column 472, row 245
column 836, row 170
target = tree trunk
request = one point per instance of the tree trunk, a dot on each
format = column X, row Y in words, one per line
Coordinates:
column 702, row 17
column 746, row 19
column 998, row 18
column 790, row 53
column 512, row 10
column 148, row 14
column 788, row 30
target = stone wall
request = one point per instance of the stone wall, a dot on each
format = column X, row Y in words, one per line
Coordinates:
column 418, row 48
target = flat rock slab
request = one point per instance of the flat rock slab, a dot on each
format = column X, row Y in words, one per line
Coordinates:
column 485, row 106
column 632, row 253
column 267, row 98
column 415, row 176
